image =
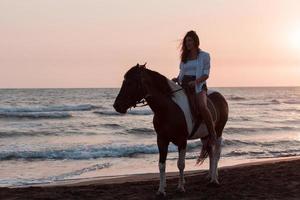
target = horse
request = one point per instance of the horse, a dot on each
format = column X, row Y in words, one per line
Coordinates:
column 172, row 119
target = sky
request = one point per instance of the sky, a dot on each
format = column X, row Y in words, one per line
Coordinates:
column 78, row 44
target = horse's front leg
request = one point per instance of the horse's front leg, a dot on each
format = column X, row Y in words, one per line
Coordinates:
column 181, row 165
column 163, row 151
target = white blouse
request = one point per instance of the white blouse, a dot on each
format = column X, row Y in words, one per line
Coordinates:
column 197, row 67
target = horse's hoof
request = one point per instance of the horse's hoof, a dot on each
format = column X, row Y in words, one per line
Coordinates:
column 161, row 195
column 180, row 190
column 208, row 177
column 213, row 184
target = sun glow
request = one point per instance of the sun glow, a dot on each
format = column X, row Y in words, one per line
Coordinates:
column 294, row 38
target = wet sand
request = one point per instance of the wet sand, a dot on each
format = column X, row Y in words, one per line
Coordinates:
column 268, row 179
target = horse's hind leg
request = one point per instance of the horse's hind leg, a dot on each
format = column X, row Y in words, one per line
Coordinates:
column 181, row 165
column 217, row 157
column 218, row 153
column 204, row 143
column 214, row 156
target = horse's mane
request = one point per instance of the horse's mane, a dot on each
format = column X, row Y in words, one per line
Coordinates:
column 158, row 81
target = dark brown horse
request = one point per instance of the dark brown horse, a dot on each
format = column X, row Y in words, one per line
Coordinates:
column 172, row 118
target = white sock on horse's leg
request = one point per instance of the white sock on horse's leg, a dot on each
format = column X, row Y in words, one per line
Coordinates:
column 162, row 176
column 210, row 171
column 213, row 165
column 215, row 155
column 218, row 153
column 181, row 166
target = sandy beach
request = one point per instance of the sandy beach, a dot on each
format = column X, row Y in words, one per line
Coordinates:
column 267, row 179
column 110, row 100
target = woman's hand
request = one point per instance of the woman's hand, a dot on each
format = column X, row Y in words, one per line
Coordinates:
column 202, row 78
column 197, row 81
column 192, row 83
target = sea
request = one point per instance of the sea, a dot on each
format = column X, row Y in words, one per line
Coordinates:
column 53, row 135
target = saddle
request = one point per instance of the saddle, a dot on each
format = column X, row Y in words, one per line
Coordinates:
column 191, row 95
column 194, row 107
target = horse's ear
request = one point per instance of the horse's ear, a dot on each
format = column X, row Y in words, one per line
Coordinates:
column 144, row 65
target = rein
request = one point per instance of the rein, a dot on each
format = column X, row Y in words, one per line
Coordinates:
column 144, row 101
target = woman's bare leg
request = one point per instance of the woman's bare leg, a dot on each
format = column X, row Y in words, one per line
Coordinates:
column 206, row 115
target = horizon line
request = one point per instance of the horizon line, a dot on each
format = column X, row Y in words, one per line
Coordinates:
column 284, row 86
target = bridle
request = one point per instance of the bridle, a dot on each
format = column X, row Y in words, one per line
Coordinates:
column 143, row 101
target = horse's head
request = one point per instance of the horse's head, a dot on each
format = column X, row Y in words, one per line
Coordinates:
column 132, row 90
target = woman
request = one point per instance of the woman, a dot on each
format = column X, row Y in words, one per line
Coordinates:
column 194, row 71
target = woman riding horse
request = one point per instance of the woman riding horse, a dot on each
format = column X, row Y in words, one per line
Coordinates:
column 172, row 118
column 194, row 71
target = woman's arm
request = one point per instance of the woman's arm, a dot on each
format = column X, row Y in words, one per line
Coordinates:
column 204, row 74
column 181, row 73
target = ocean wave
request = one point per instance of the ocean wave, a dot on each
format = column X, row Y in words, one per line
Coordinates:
column 257, row 154
column 82, row 153
column 112, row 125
column 286, row 144
column 37, row 112
column 268, row 148
column 274, row 101
column 287, row 109
column 88, row 152
column 240, row 118
column 54, row 108
column 244, row 153
column 191, row 156
column 130, row 112
column 262, row 154
column 236, row 98
column 11, row 134
column 292, row 122
column 125, row 150
column 227, row 142
column 35, row 115
column 77, row 172
column 243, row 130
column 50, row 179
column 254, row 149
column 292, row 101
column 140, row 130
column 107, row 113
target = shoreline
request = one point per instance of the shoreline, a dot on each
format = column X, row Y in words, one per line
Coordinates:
column 275, row 178
column 113, row 179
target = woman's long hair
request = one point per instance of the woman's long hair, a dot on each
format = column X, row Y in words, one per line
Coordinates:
column 184, row 50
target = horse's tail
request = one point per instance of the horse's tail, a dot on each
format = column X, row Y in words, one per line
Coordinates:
column 206, row 148
column 222, row 117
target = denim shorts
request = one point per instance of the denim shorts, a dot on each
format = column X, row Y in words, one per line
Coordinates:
column 187, row 78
